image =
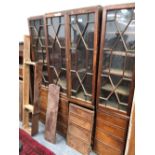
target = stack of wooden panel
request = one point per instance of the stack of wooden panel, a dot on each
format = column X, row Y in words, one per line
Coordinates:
column 80, row 125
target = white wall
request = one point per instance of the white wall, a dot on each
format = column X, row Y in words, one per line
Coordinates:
column 38, row 7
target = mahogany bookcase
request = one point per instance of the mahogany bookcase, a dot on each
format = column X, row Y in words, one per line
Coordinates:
column 115, row 85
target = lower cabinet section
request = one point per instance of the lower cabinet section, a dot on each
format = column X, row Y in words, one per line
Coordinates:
column 78, row 144
column 103, row 149
column 80, row 126
column 62, row 121
column 110, row 132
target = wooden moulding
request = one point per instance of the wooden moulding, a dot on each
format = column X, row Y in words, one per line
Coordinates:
column 80, row 126
column 51, row 114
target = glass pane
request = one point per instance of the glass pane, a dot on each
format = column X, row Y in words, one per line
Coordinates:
column 129, row 34
column 48, row 21
column 91, row 17
column 38, row 44
column 89, row 64
column 75, row 36
column 111, row 15
column 111, row 34
column 62, row 20
column 37, row 25
column 57, row 52
column 73, row 19
column 81, row 21
column 81, row 55
column 123, row 17
column 89, row 35
column 82, row 41
column 61, row 35
column 51, row 35
column 118, row 61
column 55, row 22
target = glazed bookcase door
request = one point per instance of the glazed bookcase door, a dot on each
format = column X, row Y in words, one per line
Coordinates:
column 55, row 33
column 118, row 59
column 38, row 50
column 83, row 51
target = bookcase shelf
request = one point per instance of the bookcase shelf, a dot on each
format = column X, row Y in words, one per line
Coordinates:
column 121, row 53
column 118, row 72
column 120, row 89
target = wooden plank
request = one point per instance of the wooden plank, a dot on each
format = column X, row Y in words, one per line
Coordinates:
column 130, row 145
column 63, row 107
column 103, row 149
column 80, row 126
column 63, row 111
column 62, row 128
column 82, row 112
column 43, row 98
column 111, row 129
column 20, row 99
column 51, row 114
column 113, row 119
column 81, row 122
column 42, row 116
column 37, row 85
column 62, row 118
column 26, row 80
column 35, row 124
column 21, row 71
column 109, row 140
column 120, row 89
column 78, row 145
column 119, row 72
column 26, row 51
column 79, row 132
column 29, row 107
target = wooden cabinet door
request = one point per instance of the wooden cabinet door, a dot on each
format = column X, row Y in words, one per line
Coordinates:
column 56, row 49
column 115, row 78
column 82, row 54
column 38, row 50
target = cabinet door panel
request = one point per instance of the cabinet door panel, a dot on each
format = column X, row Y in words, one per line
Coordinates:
column 117, row 59
column 56, row 47
column 83, row 53
column 38, row 46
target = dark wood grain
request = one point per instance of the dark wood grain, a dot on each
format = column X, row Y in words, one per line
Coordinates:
column 51, row 114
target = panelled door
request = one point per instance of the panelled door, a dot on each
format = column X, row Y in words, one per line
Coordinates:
column 38, row 50
column 115, row 78
column 56, row 49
